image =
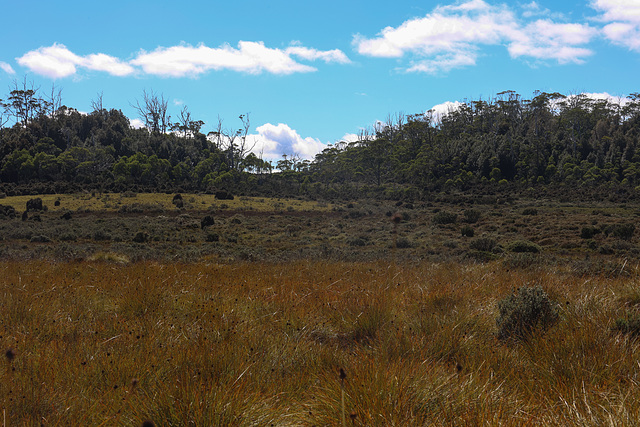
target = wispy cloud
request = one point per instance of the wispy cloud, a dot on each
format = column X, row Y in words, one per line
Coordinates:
column 7, row 68
column 452, row 37
column 57, row 61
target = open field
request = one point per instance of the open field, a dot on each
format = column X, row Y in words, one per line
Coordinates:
column 97, row 343
column 117, row 309
column 462, row 228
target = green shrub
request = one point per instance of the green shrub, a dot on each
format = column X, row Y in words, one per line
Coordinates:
column 530, row 211
column 444, row 217
column 403, row 243
column 483, row 244
column 628, row 325
column 522, row 312
column 524, row 246
column 623, row 231
column 467, row 231
column 589, row 232
column 471, row 216
column 141, row 237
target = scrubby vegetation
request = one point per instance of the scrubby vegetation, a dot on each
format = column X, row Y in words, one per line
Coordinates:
column 115, row 343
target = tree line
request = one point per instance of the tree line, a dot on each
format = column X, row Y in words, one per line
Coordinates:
column 508, row 141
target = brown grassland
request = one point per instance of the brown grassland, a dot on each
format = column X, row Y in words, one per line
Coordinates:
column 255, row 327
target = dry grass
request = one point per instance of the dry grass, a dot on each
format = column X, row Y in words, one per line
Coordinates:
column 106, row 343
column 111, row 202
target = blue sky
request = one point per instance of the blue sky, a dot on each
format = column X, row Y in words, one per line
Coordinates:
column 312, row 73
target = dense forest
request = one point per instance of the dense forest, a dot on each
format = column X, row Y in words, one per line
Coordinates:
column 548, row 141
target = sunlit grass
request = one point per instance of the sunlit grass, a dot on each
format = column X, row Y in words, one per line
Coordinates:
column 110, row 202
column 109, row 343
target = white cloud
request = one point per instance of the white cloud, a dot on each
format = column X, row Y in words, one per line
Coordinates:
column 249, row 57
column 7, row 68
column 334, row 55
column 623, row 17
column 272, row 141
column 136, row 123
column 544, row 39
column 350, row 137
column 451, row 36
column 618, row 10
column 57, row 61
column 440, row 110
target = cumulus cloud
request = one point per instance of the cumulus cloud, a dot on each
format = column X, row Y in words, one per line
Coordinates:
column 136, row 123
column 623, row 18
column 7, row 68
column 438, row 111
column 451, row 37
column 57, row 61
column 249, row 57
column 272, row 141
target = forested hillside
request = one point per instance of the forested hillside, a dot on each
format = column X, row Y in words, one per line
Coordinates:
column 506, row 142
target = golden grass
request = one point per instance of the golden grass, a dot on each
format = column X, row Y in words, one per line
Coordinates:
column 107, row 343
column 111, row 202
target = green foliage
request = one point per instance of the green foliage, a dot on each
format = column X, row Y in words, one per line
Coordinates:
column 530, row 211
column 520, row 246
column 622, row 231
column 521, row 313
column 589, row 232
column 628, row 325
column 483, row 244
column 443, row 217
column 471, row 216
column 467, row 231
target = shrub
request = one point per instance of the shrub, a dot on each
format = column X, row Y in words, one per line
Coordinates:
column 522, row 312
column 444, row 217
column 34, row 204
column 623, row 231
column 206, row 221
column 589, row 232
column 483, row 244
column 358, row 241
column 530, row 211
column 524, row 246
column 467, row 231
column 471, row 216
column 628, row 325
column 7, row 211
column 212, row 237
column 141, row 237
column 403, row 243
column 223, row 195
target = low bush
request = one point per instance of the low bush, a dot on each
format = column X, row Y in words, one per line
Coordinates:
column 523, row 311
column 471, row 216
column 530, row 211
column 623, row 231
column 444, row 217
column 520, row 246
column 467, row 231
column 628, row 325
column 483, row 244
column 589, row 232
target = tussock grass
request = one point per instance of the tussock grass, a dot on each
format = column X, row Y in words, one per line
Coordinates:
column 108, row 343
